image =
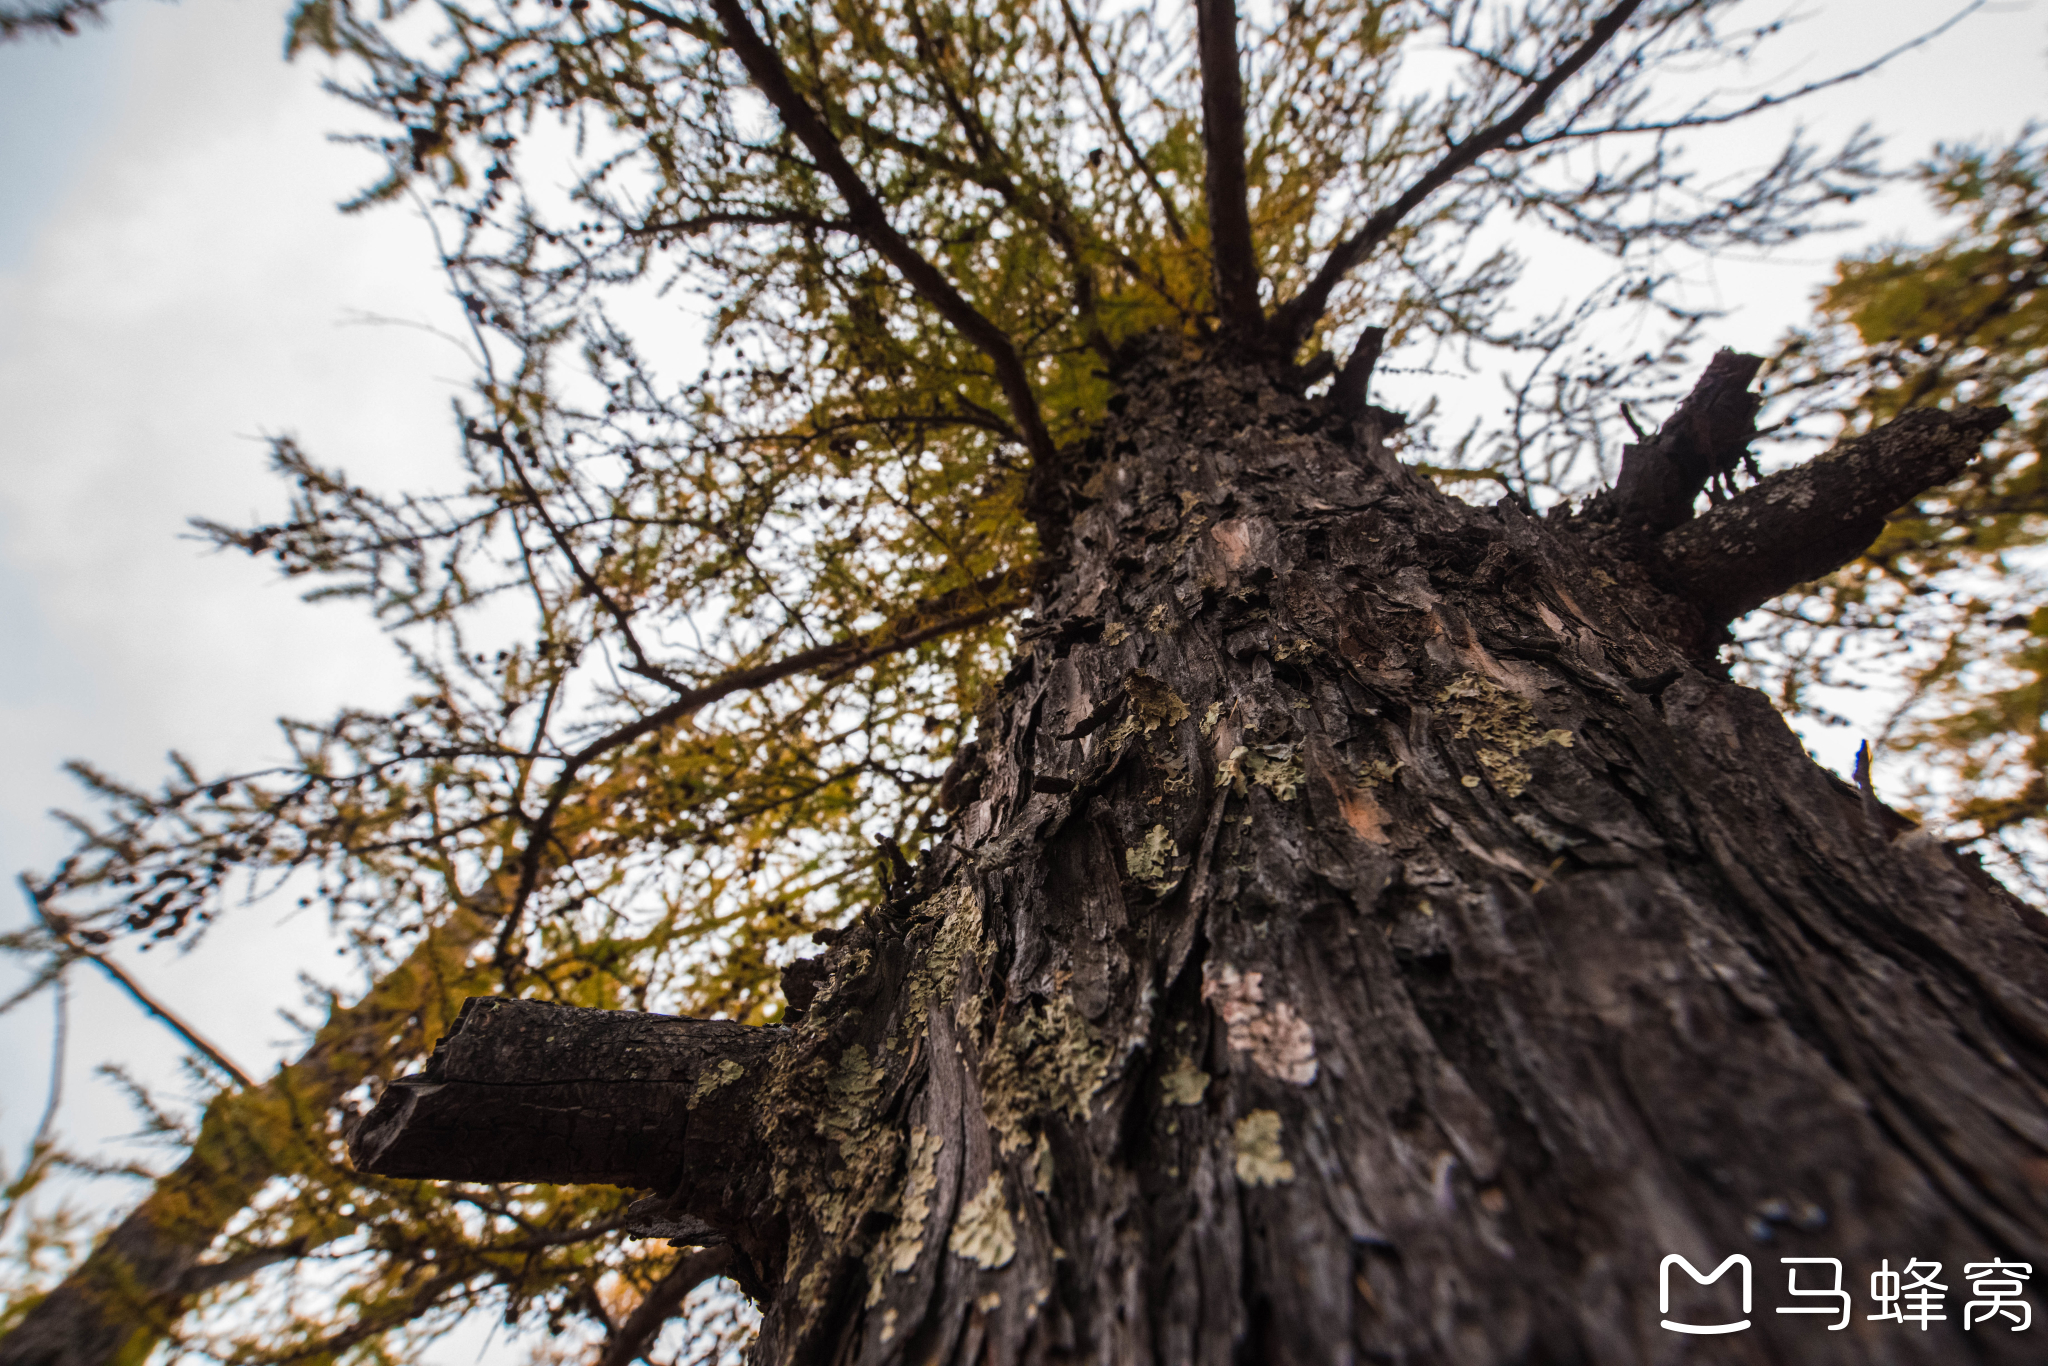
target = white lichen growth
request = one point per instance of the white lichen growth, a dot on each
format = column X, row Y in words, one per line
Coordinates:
column 936, row 978
column 1273, row 767
column 1186, row 1084
column 1373, row 772
column 1279, row 1041
column 724, row 1074
column 982, row 1231
column 1260, row 1159
column 1504, row 727
column 1115, row 633
column 1210, row 718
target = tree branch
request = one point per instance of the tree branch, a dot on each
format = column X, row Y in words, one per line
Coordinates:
column 1801, row 523
column 133, row 1286
column 638, row 1332
column 1352, row 382
column 1234, row 257
column 940, row 617
column 1299, row 315
column 865, row 212
column 1706, row 438
column 1113, row 109
column 534, row 1091
column 60, row 927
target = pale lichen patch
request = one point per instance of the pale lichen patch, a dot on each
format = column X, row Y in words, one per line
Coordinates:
column 1153, row 703
column 1275, row 768
column 1210, row 718
column 1503, row 725
column 724, row 1074
column 1045, row 1059
column 1115, row 633
column 1151, row 862
column 1260, row 1159
column 1279, row 1041
column 1041, row 1166
column 1373, row 772
column 899, row 1251
column 852, row 1088
column 1185, row 1084
column 959, row 934
column 982, row 1232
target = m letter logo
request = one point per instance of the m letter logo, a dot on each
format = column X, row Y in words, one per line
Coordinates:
column 1664, row 1293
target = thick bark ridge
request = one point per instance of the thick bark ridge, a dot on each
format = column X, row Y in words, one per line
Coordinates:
column 1372, row 936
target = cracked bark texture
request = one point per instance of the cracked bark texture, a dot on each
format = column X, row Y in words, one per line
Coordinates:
column 1377, row 934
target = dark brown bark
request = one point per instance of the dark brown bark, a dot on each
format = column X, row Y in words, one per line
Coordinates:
column 1801, row 523
column 1374, row 937
column 1232, row 251
column 1706, row 440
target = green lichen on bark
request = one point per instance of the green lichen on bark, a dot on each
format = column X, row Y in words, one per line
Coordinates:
column 1273, row 767
column 1503, row 726
column 1186, row 1084
column 937, row 977
column 1151, row 862
column 983, row 1232
column 1046, row 1059
column 1149, row 704
column 724, row 1074
column 1260, row 1159
column 899, row 1250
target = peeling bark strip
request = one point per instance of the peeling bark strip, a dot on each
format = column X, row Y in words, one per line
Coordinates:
column 1370, row 929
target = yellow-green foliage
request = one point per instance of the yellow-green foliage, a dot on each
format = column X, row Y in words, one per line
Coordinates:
column 693, row 626
column 1957, row 576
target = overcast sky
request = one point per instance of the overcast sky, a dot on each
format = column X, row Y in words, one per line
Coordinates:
column 175, row 283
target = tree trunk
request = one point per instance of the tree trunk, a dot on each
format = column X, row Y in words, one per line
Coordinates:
column 1380, row 933
column 124, row 1298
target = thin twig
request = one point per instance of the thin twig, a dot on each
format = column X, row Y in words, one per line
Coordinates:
column 1293, row 322
column 60, row 926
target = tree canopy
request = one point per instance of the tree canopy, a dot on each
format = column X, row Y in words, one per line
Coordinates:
column 699, row 644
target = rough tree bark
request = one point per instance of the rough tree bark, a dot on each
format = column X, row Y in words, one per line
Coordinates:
column 1380, row 932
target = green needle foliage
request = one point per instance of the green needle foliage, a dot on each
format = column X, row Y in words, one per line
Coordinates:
column 1954, row 586
column 704, row 613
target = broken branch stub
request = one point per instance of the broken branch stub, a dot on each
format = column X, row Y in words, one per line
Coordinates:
column 1708, row 436
column 1801, row 523
column 532, row 1091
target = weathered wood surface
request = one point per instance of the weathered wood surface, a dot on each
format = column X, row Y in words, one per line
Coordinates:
column 1375, row 931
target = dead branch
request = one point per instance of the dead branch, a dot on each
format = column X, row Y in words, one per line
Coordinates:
column 1801, row 523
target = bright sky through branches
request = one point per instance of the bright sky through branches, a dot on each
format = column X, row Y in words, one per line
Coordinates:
column 174, row 284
